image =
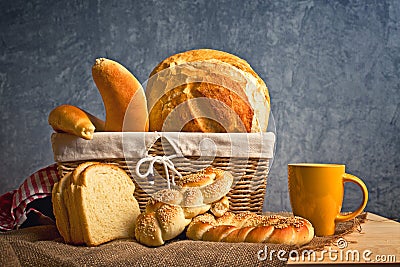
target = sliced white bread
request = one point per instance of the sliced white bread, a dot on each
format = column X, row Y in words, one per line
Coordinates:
column 105, row 205
column 76, row 231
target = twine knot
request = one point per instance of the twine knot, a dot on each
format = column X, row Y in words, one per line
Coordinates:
column 165, row 160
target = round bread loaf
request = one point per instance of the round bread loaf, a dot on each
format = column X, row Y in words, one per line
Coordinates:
column 207, row 90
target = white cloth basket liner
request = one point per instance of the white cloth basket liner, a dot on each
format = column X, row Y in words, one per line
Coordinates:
column 108, row 145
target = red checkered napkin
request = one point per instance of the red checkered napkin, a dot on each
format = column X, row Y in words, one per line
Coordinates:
column 13, row 204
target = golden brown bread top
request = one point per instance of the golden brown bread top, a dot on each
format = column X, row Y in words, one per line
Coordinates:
column 209, row 54
column 213, row 183
column 207, row 90
column 147, row 230
column 200, row 178
column 197, row 189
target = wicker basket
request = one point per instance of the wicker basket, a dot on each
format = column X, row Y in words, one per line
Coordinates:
column 249, row 169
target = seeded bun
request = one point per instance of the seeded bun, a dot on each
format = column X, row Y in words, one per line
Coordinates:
column 169, row 211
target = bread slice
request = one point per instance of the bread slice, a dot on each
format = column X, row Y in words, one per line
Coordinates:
column 75, row 229
column 59, row 208
column 105, row 204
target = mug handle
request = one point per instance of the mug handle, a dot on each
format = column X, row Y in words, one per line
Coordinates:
column 351, row 178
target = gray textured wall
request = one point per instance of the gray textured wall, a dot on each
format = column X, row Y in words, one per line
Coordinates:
column 332, row 67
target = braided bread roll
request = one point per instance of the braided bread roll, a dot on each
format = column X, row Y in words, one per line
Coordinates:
column 252, row 228
column 169, row 211
column 160, row 222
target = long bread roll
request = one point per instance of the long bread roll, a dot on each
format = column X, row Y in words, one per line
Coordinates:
column 73, row 120
column 123, row 96
column 252, row 228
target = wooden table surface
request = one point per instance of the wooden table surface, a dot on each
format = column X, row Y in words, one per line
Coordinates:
column 377, row 243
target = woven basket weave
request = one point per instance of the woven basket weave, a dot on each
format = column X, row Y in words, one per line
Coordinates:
column 250, row 174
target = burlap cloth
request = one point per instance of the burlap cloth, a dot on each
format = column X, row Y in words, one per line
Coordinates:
column 43, row 246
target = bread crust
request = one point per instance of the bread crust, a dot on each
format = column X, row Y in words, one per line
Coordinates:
column 220, row 207
column 64, row 206
column 198, row 190
column 60, row 209
column 148, row 230
column 123, row 96
column 251, row 227
column 206, row 90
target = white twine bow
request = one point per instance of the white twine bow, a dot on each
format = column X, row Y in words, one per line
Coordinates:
column 165, row 160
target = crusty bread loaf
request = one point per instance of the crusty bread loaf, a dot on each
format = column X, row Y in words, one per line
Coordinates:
column 73, row 120
column 105, row 204
column 250, row 227
column 123, row 96
column 207, row 90
column 169, row 211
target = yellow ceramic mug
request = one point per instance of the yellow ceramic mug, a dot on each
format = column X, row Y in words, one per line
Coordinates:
column 316, row 193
